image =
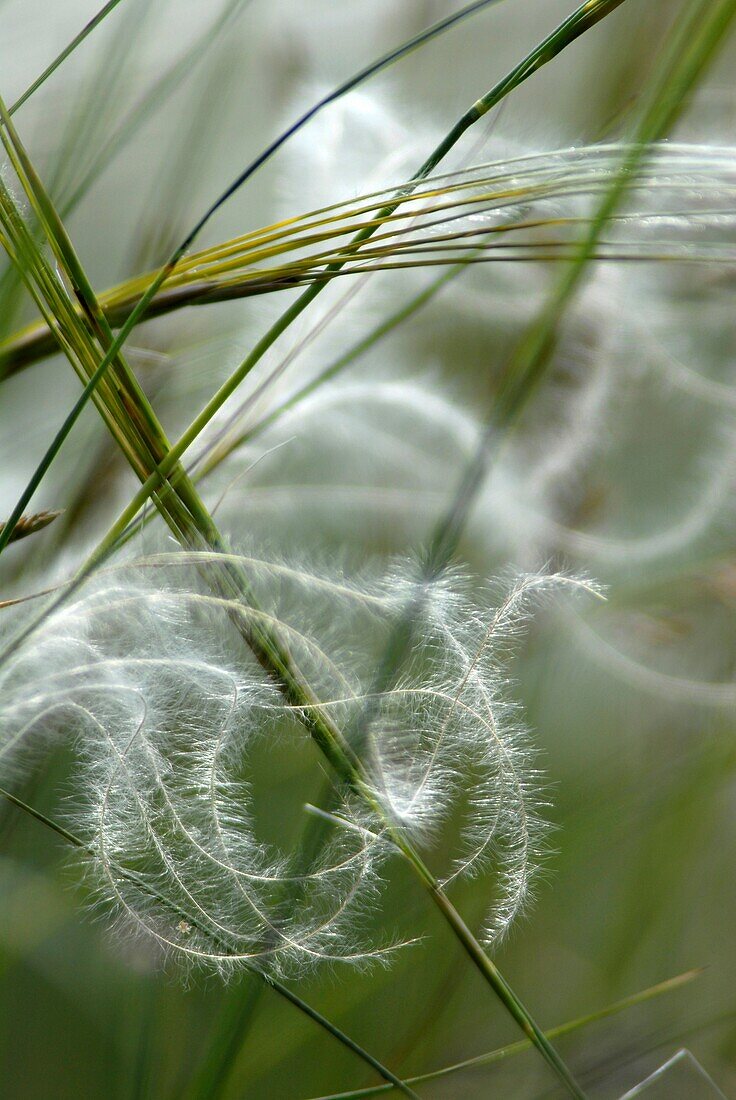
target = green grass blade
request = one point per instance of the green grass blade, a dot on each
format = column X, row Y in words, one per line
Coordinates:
column 577, row 24
column 501, row 1054
column 65, row 53
column 271, row 982
column 55, row 827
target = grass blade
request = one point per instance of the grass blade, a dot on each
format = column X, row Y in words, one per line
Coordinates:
column 65, row 53
column 272, row 983
column 493, row 1057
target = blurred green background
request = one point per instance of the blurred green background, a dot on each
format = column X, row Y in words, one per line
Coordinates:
column 622, row 469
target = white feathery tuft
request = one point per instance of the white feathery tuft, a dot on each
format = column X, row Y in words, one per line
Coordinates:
column 147, row 674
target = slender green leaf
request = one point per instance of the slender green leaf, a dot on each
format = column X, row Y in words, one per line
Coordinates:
column 501, row 1054
column 65, row 53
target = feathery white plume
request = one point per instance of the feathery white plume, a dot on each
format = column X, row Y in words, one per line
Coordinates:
column 166, row 707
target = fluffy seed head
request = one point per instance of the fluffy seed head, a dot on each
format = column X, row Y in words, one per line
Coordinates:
column 167, row 707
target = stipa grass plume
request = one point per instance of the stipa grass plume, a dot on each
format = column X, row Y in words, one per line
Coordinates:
column 166, row 715
column 164, row 724
column 652, row 370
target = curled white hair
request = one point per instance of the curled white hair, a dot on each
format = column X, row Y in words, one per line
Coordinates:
column 167, row 706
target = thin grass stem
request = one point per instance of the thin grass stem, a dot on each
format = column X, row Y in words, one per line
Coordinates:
column 501, row 1054
column 65, row 53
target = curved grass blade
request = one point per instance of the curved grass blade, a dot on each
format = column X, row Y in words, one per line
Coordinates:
column 341, row 90
column 519, row 190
